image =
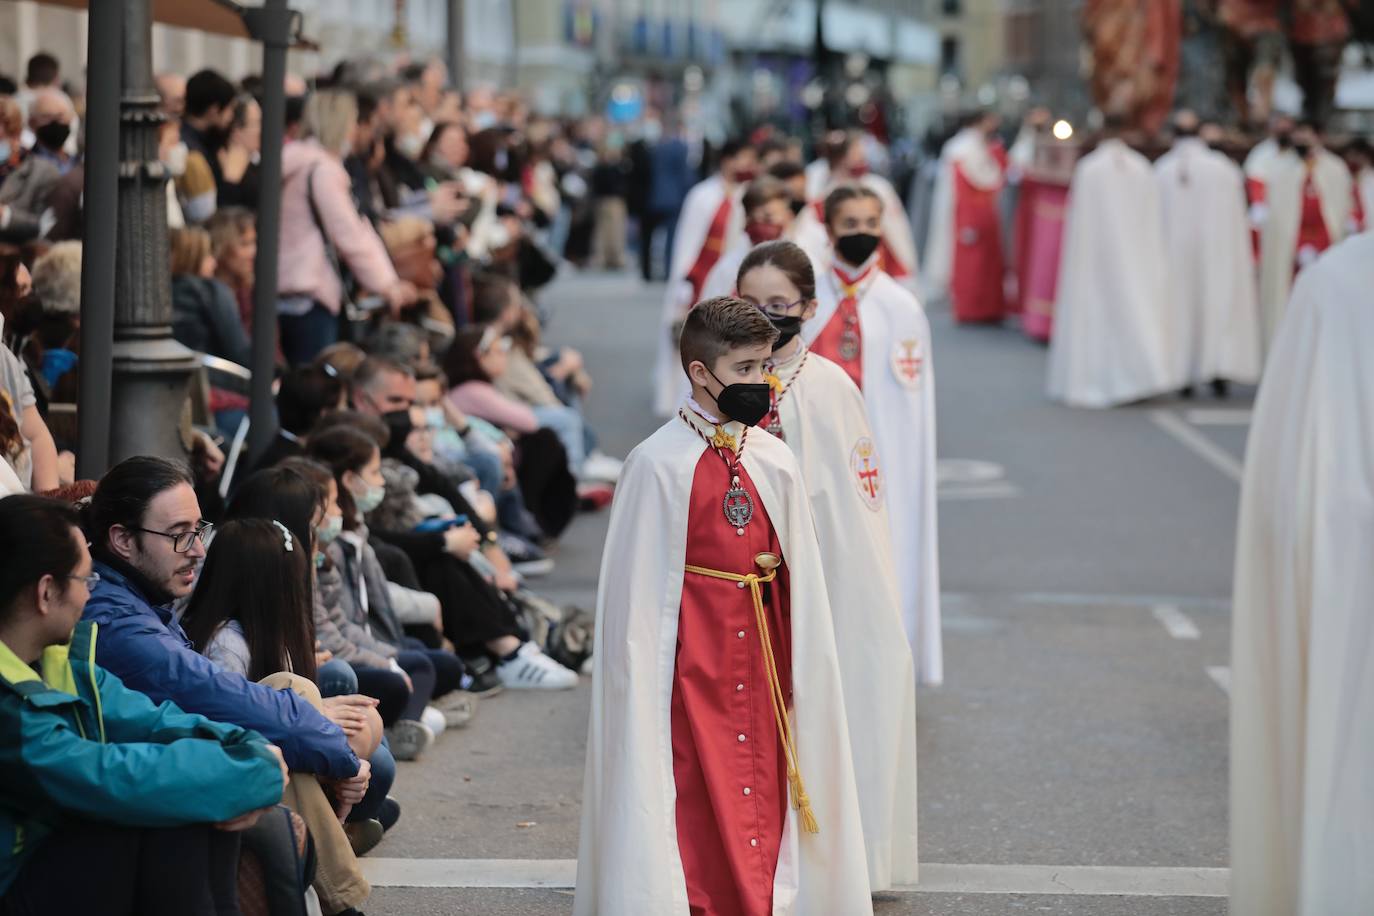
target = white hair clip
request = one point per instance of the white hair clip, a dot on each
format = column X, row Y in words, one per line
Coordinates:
column 286, row 535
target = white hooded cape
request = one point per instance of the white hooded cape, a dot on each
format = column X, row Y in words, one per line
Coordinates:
column 825, row 424
column 1283, row 182
column 693, row 225
column 1215, row 323
column 628, row 860
column 1110, row 343
column 1302, row 629
column 902, row 413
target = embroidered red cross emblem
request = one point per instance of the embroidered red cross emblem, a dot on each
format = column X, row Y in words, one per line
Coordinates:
column 869, row 479
column 909, row 364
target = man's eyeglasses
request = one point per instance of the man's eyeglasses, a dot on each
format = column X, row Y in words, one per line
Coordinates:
column 181, row 540
column 90, row 580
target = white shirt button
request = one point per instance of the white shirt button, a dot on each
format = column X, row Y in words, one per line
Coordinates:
column 753, row 841
column 747, row 790
column 740, row 634
column 739, row 585
column 739, row 687
column 741, row 737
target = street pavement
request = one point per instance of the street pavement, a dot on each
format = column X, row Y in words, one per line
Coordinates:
column 1074, row 761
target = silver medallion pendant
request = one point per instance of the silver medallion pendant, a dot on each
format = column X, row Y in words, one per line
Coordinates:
column 849, row 345
column 775, row 426
column 739, row 507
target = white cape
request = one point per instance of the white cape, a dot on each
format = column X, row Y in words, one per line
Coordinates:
column 628, row 861
column 1302, row 631
column 1283, row 181
column 693, row 225
column 969, row 149
column 1215, row 327
column 902, row 413
column 825, row 424
column 1110, row 316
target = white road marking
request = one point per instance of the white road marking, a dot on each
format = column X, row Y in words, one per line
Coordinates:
column 1199, row 444
column 1073, row 599
column 1177, row 623
column 996, row 490
column 1125, row 881
column 1218, row 416
column 1222, row 675
column 967, row 470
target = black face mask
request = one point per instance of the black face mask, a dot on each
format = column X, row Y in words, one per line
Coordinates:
column 797, row 207
column 788, row 329
column 857, row 248
column 52, row 135
column 398, row 423
column 744, row 402
column 1302, row 149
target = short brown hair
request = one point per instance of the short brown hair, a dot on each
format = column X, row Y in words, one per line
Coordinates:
column 787, row 257
column 227, row 226
column 764, row 190
column 717, row 326
column 190, row 247
column 843, row 195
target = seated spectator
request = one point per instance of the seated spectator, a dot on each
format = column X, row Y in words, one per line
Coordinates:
column 234, row 246
column 46, row 332
column 25, row 191
column 16, row 283
column 320, row 217
column 344, row 358
column 11, row 135
column 35, row 463
column 148, row 801
column 306, row 394
column 205, row 316
column 145, row 525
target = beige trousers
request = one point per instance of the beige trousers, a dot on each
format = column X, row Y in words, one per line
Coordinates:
column 608, row 235
column 338, row 879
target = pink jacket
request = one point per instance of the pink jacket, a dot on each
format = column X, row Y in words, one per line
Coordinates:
column 483, row 401
column 302, row 265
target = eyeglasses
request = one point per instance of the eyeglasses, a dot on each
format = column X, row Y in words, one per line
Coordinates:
column 181, row 540
column 779, row 309
column 90, row 580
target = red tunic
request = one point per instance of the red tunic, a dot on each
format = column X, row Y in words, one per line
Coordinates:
column 976, row 276
column 728, row 761
column 712, row 248
column 1313, row 237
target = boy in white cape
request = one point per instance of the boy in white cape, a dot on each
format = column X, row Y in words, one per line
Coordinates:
column 820, row 414
column 716, row 782
column 877, row 332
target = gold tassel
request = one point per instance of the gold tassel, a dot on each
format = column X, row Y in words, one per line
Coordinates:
column 802, row 802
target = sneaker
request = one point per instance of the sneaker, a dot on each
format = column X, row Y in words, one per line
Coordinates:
column 599, row 466
column 531, row 669
column 434, row 720
column 458, row 707
column 389, row 813
column 593, row 497
column 480, row 679
column 364, row 836
column 409, row 739
column 533, row 569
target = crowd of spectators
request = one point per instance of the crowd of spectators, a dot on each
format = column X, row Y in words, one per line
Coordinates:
column 215, row 665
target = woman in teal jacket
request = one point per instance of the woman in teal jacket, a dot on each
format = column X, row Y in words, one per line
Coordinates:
column 108, row 803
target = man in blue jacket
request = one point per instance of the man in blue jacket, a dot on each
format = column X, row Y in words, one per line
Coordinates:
column 146, row 533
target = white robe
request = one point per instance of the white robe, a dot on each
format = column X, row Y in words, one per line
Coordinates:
column 903, row 418
column 1283, row 184
column 1302, row 627
column 1215, row 327
column 817, row 174
column 628, row 862
column 969, row 150
column 693, row 225
column 1110, row 344
column 825, row 424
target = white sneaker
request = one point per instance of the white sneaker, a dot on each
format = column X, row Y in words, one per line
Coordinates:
column 531, row 669
column 434, row 720
column 409, row 739
column 601, row 467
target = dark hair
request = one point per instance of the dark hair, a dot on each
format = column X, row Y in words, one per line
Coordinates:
column 7, row 85
column 772, row 145
column 843, row 195
column 208, row 89
column 307, row 392
column 295, row 109
column 257, row 574
column 436, row 135
column 786, row 169
column 461, row 362
column 341, row 449
column 252, row 84
column 372, row 427
column 123, row 494
column 241, row 103
column 491, row 293
column 717, row 326
column 787, row 257
column 284, row 494
column 762, row 190
column 837, row 144
column 733, row 147
column 42, row 70
column 36, row 541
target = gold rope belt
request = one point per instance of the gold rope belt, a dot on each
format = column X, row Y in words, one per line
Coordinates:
column 768, row 561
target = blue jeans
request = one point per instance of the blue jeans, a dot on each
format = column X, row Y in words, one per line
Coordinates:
column 335, row 678
column 304, row 336
column 383, row 775
column 486, row 466
column 567, row 424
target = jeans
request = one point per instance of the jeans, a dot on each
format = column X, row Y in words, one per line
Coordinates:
column 304, row 336
column 567, row 424
column 335, row 678
column 487, row 468
column 383, row 775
